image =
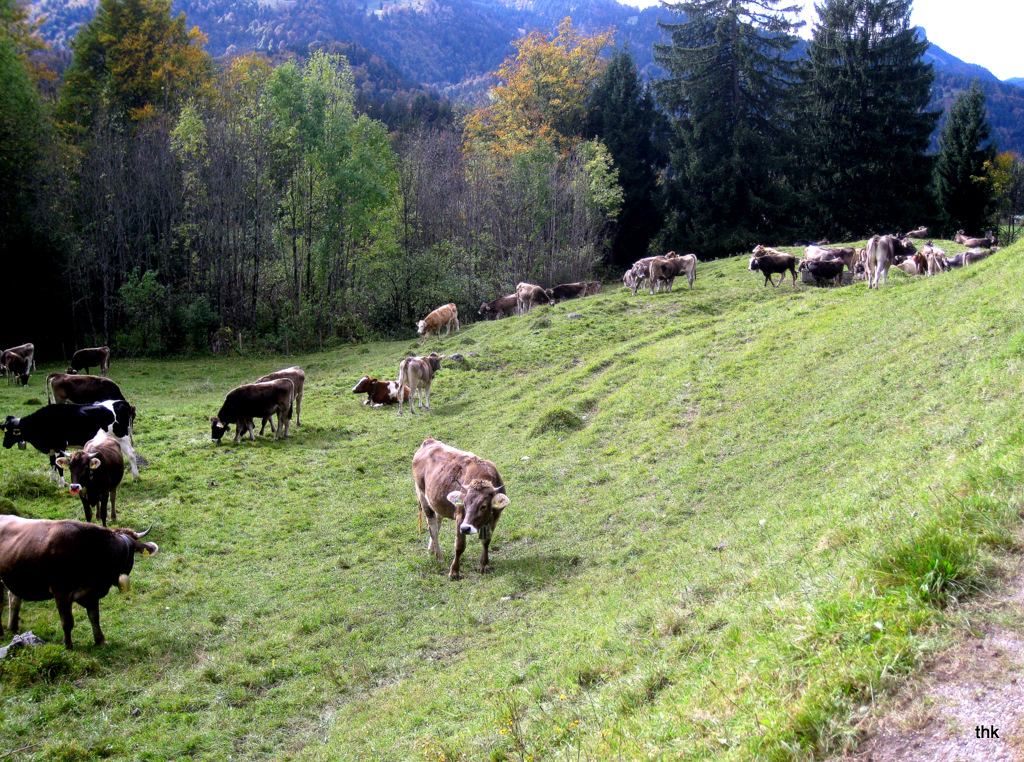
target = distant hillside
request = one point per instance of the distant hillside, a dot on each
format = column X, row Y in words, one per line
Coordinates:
column 1018, row 81
column 452, row 46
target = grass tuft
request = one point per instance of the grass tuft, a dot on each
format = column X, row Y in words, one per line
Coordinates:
column 558, row 419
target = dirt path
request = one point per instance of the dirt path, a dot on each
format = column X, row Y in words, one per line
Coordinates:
column 969, row 703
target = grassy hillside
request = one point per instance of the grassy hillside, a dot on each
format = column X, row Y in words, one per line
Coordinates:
column 738, row 514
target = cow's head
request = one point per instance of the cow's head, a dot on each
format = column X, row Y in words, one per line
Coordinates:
column 12, row 433
column 753, row 262
column 484, row 309
column 364, row 385
column 132, row 546
column 218, row 428
column 421, row 327
column 71, row 372
column 478, row 506
column 81, row 465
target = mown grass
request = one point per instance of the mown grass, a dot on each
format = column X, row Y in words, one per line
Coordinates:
column 738, row 514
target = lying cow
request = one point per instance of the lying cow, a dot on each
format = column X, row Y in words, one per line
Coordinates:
column 824, row 271
column 68, row 561
column 565, row 291
column 297, row 376
column 500, row 307
column 458, row 485
column 16, row 367
column 84, row 359
column 54, row 428
column 245, row 403
column 442, row 317
column 380, row 393
column 527, row 295
column 976, row 255
column 664, row 270
column 417, row 373
column 96, row 473
column 771, row 262
column 921, row 232
column 974, row 243
column 80, row 390
column 909, row 266
column 593, row 288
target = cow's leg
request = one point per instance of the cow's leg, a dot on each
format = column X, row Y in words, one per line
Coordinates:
column 433, row 522
column 3, row 594
column 67, row 618
column 87, row 507
column 128, row 451
column 460, row 546
column 426, row 396
column 263, row 427
column 113, row 504
column 101, row 510
column 92, row 608
column 15, row 614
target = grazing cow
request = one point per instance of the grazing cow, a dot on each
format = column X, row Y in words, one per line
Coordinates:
column 974, row 243
column 528, row 295
column 593, row 288
column 771, row 262
column 458, row 485
column 921, row 232
column 417, row 373
column 935, row 258
column 565, row 291
column 68, row 561
column 84, row 359
column 80, row 390
column 641, row 270
column 976, row 255
column 54, row 428
column 245, row 403
column 297, row 376
column 847, row 254
column 380, row 392
column 442, row 317
column 503, row 305
column 96, row 472
column 28, row 351
column 17, row 367
column 663, row 271
column 823, row 270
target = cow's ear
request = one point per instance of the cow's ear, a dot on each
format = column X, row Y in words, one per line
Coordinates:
column 455, row 498
column 500, row 501
column 63, row 462
column 95, row 463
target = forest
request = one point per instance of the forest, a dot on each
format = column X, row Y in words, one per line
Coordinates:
column 154, row 195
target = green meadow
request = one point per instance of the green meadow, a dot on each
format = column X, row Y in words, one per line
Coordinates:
column 739, row 516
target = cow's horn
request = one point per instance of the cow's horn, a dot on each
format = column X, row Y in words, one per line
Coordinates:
column 459, row 483
column 143, row 534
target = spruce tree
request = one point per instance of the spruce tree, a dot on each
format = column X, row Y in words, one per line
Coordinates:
column 729, row 97
column 623, row 116
column 865, row 128
column 963, row 192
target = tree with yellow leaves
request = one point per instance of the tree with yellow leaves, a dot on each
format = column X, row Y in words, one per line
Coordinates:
column 542, row 95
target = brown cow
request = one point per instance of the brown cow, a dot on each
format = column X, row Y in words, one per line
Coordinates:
column 823, row 271
column 96, row 473
column 297, row 376
column 974, row 243
column 976, row 255
column 16, row 367
column 883, row 252
column 80, row 390
column 455, row 484
column 663, row 271
column 84, row 359
column 442, row 317
column 28, row 351
column 245, row 403
column 380, row 393
column 503, row 305
column 69, row 561
column 417, row 373
column 528, row 295
column 921, row 232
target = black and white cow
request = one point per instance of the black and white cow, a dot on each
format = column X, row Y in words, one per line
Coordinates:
column 54, row 428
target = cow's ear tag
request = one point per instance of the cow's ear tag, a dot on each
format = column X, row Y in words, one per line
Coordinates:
column 145, row 553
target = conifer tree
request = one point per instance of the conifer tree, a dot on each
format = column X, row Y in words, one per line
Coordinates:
column 729, row 98
column 623, row 116
column 865, row 127
column 962, row 187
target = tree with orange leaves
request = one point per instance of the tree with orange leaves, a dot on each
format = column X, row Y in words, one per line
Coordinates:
column 543, row 93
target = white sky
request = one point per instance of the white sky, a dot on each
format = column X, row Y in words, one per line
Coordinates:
column 985, row 32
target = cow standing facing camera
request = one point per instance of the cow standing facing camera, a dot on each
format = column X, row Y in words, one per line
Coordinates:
column 458, row 485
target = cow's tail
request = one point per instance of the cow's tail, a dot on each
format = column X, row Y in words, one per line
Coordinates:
column 420, row 522
column 402, row 374
column 49, row 397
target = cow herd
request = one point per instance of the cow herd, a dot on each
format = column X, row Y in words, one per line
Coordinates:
column 78, row 562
